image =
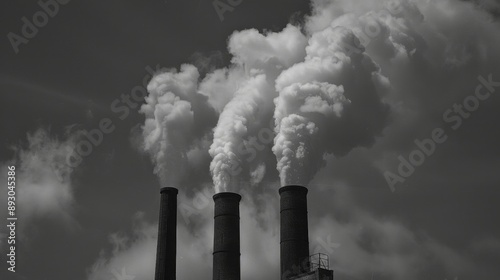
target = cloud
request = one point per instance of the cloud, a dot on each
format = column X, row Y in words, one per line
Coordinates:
column 44, row 187
column 44, row 177
column 135, row 254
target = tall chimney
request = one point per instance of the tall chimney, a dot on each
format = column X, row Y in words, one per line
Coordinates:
column 294, row 236
column 226, row 256
column 167, row 235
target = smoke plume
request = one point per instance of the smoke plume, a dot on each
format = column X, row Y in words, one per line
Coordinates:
column 324, row 86
column 257, row 60
column 233, row 128
column 326, row 100
column 177, row 118
column 328, row 104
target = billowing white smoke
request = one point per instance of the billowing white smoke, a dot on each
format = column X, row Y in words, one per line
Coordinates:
column 296, row 107
column 258, row 59
column 329, row 94
column 168, row 128
column 233, row 128
column 325, row 93
column 243, row 95
column 327, row 104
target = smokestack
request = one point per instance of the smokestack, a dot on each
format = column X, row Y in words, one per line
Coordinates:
column 226, row 256
column 167, row 235
column 294, row 236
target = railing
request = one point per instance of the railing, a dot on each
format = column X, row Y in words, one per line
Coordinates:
column 319, row 260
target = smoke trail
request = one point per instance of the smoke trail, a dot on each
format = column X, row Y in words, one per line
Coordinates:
column 300, row 108
column 328, row 103
column 233, row 128
column 168, row 128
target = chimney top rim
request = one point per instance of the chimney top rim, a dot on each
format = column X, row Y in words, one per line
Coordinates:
column 293, row 188
column 169, row 190
column 230, row 195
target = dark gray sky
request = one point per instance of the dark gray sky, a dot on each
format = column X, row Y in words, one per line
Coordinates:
column 99, row 218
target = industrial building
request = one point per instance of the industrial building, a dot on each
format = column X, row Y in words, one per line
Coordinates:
column 295, row 261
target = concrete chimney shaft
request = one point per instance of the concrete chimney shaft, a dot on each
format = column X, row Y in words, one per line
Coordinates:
column 294, row 236
column 226, row 256
column 167, row 235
